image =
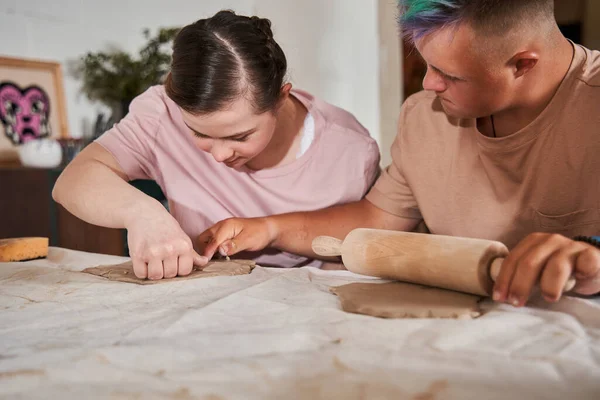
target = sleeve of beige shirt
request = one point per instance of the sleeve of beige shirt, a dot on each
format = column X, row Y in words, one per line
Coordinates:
column 392, row 192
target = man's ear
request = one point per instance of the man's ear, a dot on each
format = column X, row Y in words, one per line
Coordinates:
column 524, row 62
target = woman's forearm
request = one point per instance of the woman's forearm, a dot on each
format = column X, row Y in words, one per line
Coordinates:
column 95, row 191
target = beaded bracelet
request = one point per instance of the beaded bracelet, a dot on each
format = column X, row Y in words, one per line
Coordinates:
column 593, row 240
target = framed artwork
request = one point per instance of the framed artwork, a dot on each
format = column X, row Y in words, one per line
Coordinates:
column 32, row 103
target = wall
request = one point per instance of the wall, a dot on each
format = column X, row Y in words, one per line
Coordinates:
column 591, row 24
column 586, row 11
column 390, row 77
column 62, row 30
column 569, row 11
column 332, row 45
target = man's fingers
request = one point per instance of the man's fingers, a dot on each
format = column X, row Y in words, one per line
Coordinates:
column 204, row 240
column 588, row 264
column 527, row 273
column 509, row 266
column 229, row 247
column 224, row 232
column 242, row 242
column 140, row 268
column 557, row 271
column 587, row 272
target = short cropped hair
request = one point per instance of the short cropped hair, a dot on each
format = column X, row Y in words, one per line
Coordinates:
column 419, row 18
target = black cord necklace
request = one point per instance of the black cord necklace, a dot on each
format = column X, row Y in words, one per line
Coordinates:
column 493, row 126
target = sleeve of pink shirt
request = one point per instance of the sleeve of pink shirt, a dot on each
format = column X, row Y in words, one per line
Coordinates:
column 372, row 167
column 132, row 140
column 369, row 159
column 365, row 151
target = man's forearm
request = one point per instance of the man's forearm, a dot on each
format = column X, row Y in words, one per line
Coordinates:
column 295, row 232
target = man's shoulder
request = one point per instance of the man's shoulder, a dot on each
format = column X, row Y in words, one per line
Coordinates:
column 421, row 103
column 421, row 98
column 590, row 74
column 423, row 108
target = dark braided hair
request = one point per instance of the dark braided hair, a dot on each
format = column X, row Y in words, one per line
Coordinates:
column 222, row 58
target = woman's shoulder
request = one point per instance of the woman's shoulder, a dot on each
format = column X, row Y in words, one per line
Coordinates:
column 331, row 117
column 153, row 103
column 338, row 130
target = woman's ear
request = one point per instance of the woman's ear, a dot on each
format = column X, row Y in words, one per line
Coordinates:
column 166, row 80
column 284, row 94
column 285, row 89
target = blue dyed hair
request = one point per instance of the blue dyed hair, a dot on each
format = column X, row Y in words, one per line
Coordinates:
column 419, row 18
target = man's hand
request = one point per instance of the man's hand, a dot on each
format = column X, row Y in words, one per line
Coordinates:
column 234, row 235
column 551, row 260
column 294, row 232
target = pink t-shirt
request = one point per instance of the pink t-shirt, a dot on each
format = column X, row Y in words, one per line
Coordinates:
column 152, row 142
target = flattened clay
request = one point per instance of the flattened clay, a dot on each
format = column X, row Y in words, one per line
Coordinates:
column 406, row 300
column 124, row 272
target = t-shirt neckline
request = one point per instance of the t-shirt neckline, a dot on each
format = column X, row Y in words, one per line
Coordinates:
column 542, row 121
column 300, row 161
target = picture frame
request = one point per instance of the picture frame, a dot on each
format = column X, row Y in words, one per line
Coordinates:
column 32, row 103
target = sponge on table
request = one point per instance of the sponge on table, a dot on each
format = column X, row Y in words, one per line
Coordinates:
column 23, row 249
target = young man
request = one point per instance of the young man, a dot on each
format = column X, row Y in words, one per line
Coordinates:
column 503, row 144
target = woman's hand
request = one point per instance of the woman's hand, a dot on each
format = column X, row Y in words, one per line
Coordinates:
column 158, row 246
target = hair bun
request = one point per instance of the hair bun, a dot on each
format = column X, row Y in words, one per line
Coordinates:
column 264, row 25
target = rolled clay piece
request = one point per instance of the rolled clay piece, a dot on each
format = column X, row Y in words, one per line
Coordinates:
column 124, row 272
column 406, row 300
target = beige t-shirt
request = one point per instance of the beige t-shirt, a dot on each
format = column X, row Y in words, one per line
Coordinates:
column 544, row 178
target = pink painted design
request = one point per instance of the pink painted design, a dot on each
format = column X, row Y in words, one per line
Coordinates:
column 25, row 113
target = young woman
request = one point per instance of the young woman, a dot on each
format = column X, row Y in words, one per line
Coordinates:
column 226, row 136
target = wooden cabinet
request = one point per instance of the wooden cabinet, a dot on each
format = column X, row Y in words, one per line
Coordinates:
column 73, row 233
column 27, row 209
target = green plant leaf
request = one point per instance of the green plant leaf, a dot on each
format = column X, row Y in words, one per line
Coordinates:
column 115, row 77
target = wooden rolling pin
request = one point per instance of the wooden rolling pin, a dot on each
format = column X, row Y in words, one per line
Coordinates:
column 455, row 263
